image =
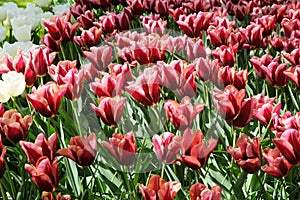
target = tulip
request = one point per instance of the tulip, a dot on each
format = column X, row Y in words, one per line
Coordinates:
column 76, row 10
column 293, row 73
column 233, row 107
column 100, row 57
column 109, row 109
column 162, row 7
column 107, row 23
column 44, row 173
column 122, row 147
column 146, row 89
column 199, row 191
column 90, row 72
column 166, row 147
column 82, row 150
column 182, row 114
column 293, row 57
column 277, row 165
column 46, row 98
column 277, row 43
column 218, row 36
column 86, row 20
column 136, row 6
column 50, row 42
column 106, row 87
column 2, row 157
column 253, row 35
column 122, row 73
column 2, row 33
column 265, row 109
column 14, row 126
column 248, row 154
column 22, row 33
column 192, row 25
column 40, row 59
column 203, row 68
column 268, row 68
column 288, row 144
column 195, row 49
column 225, row 54
column 41, row 147
column 88, row 38
column 195, row 152
column 66, row 73
column 153, row 24
column 13, row 85
column 122, row 21
column 158, row 188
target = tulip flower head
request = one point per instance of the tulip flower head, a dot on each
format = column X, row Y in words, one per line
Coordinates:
column 158, row 188
column 199, row 191
column 82, row 150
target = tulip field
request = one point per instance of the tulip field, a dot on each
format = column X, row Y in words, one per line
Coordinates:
column 150, row 99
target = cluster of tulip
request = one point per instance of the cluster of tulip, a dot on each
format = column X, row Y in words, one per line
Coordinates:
column 169, row 69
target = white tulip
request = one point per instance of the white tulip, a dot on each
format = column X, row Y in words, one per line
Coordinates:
column 2, row 33
column 60, row 9
column 42, row 3
column 4, row 96
column 12, row 10
column 22, row 33
column 2, row 13
column 15, row 83
column 12, row 49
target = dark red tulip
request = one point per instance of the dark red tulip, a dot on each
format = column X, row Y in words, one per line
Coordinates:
column 82, row 150
column 233, row 107
column 14, row 126
column 162, row 7
column 289, row 145
column 248, row 154
column 107, row 22
column 88, row 38
column 277, row 165
column 166, row 147
column 41, row 147
column 66, row 73
column 109, row 109
column 253, row 35
column 278, row 43
column 195, row 152
column 46, row 98
column 50, row 42
column 146, row 89
column 44, row 173
column 199, row 191
column 268, row 22
column 100, row 57
column 175, row 13
column 86, row 19
column 106, row 87
column 2, row 157
column 122, row 147
column 182, row 114
column 122, row 21
column 40, row 59
column 158, row 188
column 137, row 6
column 76, row 10
column 268, row 68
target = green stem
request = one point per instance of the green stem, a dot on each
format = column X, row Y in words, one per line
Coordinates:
column 62, row 51
column 163, row 170
column 75, row 111
column 4, row 196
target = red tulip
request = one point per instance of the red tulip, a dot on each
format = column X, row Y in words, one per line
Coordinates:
column 226, row 54
column 153, row 24
column 122, row 21
column 76, row 10
column 66, row 73
column 100, row 57
column 195, row 151
column 106, row 87
column 253, row 35
column 46, row 98
column 218, row 36
column 166, row 147
column 50, row 42
column 44, row 173
column 2, row 157
column 162, row 7
column 60, row 28
column 109, row 109
column 265, row 109
column 195, row 49
column 268, row 68
column 278, row 43
column 90, row 72
column 248, row 154
column 88, row 38
column 268, row 22
column 182, row 114
column 277, row 165
column 122, row 147
column 122, row 73
column 199, row 191
column 193, row 24
column 86, row 19
column 14, row 126
column 107, row 22
column 289, row 145
column 158, row 188
column 293, row 73
column 41, row 147
column 293, row 57
column 82, row 150
column 146, row 89
column 40, row 59
column 233, row 107
column 137, row 6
